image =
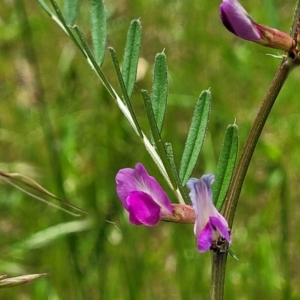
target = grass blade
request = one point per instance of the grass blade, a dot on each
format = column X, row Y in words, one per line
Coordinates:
column 10, row 178
column 46, row 236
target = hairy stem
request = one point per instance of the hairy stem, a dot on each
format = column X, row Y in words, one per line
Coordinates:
column 219, row 260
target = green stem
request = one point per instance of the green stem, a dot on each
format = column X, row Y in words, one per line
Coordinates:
column 293, row 31
column 251, row 142
column 219, row 259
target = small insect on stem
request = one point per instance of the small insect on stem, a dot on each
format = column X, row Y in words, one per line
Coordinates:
column 221, row 245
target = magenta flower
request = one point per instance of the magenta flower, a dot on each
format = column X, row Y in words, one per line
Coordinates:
column 236, row 20
column 142, row 196
column 210, row 225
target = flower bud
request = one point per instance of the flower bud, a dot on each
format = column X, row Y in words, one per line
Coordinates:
column 236, row 20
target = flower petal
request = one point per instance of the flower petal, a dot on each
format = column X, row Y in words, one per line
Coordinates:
column 137, row 179
column 221, row 224
column 201, row 197
column 210, row 225
column 236, row 20
column 149, row 185
column 200, row 190
column 204, row 239
column 125, row 184
column 142, row 209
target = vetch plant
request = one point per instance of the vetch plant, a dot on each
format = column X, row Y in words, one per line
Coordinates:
column 213, row 206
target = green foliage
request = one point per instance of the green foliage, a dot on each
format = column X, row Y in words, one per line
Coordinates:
column 93, row 141
column 159, row 143
column 195, row 137
column 98, row 30
column 225, row 165
column 45, row 6
column 131, row 55
column 125, row 98
column 159, row 93
column 70, row 11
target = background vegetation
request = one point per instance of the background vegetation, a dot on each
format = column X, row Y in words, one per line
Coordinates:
column 60, row 127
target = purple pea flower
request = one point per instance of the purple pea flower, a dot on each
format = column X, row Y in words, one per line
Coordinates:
column 210, row 225
column 142, row 196
column 236, row 20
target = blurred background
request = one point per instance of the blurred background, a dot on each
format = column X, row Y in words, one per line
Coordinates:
column 60, row 127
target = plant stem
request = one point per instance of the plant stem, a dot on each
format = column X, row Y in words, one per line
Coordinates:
column 219, row 259
column 252, row 139
column 293, row 31
column 286, row 66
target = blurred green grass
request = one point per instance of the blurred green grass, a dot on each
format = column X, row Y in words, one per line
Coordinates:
column 94, row 141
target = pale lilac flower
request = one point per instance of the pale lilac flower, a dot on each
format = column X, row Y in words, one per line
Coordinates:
column 210, row 225
column 142, row 196
column 236, row 20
